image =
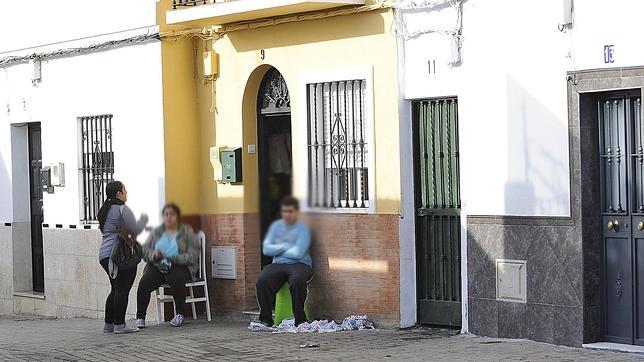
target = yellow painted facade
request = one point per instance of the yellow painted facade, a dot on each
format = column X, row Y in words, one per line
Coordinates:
column 341, row 44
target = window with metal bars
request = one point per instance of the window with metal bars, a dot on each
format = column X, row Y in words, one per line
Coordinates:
column 337, row 145
column 97, row 163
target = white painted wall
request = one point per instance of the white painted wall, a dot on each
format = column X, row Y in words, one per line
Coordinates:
column 125, row 82
column 511, row 89
column 37, row 22
column 615, row 22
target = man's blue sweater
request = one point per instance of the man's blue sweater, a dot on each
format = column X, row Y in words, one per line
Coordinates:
column 288, row 244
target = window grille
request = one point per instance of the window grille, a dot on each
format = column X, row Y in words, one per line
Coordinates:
column 97, row 162
column 337, row 145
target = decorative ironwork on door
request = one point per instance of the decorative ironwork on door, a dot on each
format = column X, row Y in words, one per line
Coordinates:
column 97, row 168
column 621, row 155
column 274, row 95
column 438, row 205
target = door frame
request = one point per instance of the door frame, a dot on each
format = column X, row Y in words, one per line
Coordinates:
column 582, row 87
column 628, row 215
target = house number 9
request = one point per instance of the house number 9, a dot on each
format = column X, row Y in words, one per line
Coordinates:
column 262, row 54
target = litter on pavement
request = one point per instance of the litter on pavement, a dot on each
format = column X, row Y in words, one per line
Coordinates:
column 352, row 323
column 310, row 345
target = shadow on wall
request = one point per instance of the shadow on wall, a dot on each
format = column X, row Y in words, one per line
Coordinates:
column 357, row 266
column 553, row 253
column 550, row 246
column 355, row 260
column 336, row 28
column 533, row 140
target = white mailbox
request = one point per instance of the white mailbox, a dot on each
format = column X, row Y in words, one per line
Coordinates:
column 511, row 280
column 224, row 262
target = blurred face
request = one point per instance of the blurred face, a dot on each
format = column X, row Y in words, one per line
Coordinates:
column 122, row 195
column 289, row 214
column 170, row 218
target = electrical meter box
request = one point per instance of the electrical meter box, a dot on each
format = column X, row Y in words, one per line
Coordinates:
column 231, row 165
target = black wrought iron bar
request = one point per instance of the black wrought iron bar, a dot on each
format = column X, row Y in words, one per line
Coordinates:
column 618, row 152
column 84, row 166
column 442, row 120
column 354, row 174
column 426, row 265
column 346, row 146
column 324, row 142
column 455, row 243
column 111, row 150
column 609, row 152
column 363, row 187
column 640, row 150
column 422, row 135
column 102, row 141
column 315, row 149
column 448, row 154
column 457, row 156
column 447, row 260
column 433, row 133
column 91, row 167
column 334, row 144
column 434, row 264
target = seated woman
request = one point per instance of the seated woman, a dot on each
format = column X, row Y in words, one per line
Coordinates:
column 172, row 254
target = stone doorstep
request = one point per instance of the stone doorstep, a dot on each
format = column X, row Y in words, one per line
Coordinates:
column 618, row 347
column 252, row 315
column 33, row 295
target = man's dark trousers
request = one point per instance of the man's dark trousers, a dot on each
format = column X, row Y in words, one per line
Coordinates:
column 272, row 279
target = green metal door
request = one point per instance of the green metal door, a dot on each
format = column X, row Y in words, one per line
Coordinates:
column 438, row 211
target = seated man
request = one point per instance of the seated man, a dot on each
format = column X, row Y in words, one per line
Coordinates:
column 288, row 241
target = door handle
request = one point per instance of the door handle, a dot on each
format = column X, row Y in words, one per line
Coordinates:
column 640, row 225
column 423, row 212
column 614, row 225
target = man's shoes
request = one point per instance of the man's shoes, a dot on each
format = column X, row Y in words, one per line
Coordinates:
column 108, row 328
column 122, row 329
column 266, row 324
column 140, row 323
column 177, row 320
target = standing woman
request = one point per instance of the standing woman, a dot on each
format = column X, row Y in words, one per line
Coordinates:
column 116, row 218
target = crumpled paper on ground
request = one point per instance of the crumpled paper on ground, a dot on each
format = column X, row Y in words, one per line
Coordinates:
column 351, row 323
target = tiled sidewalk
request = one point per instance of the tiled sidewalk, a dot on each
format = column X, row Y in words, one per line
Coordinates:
column 34, row 339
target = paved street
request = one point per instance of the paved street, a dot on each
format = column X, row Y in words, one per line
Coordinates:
column 34, row 339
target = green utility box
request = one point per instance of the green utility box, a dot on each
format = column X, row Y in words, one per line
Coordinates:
column 231, row 165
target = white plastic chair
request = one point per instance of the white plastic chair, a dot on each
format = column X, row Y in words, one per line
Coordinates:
column 200, row 281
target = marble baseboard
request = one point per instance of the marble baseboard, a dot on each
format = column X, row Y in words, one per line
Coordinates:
column 553, row 255
column 538, row 322
column 554, row 312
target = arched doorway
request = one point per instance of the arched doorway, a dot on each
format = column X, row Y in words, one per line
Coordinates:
column 273, row 148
